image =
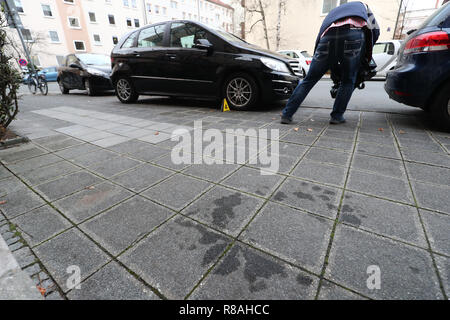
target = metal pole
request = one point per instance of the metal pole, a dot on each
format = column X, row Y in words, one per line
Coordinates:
column 27, row 54
column 198, row 10
column 398, row 18
column 145, row 13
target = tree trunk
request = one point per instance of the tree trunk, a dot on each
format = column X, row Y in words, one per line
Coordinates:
column 263, row 17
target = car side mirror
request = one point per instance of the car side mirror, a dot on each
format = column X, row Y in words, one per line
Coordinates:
column 411, row 31
column 75, row 66
column 203, row 44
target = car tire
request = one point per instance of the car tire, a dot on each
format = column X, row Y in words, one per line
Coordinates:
column 241, row 91
column 125, row 91
column 89, row 88
column 440, row 108
column 63, row 88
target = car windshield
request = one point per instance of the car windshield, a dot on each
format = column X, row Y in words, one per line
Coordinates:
column 229, row 37
column 306, row 54
column 95, row 59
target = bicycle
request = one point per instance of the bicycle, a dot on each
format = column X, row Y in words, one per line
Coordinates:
column 35, row 82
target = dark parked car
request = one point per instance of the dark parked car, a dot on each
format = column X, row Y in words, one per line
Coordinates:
column 85, row 71
column 422, row 75
column 185, row 58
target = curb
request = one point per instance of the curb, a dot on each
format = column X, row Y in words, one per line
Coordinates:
column 15, row 284
column 12, row 142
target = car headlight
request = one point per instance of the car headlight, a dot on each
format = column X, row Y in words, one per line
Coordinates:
column 96, row 72
column 275, row 65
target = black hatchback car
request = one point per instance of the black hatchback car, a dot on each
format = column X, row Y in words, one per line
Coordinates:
column 422, row 75
column 188, row 59
column 87, row 71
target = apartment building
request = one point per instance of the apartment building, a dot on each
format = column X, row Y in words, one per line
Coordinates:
column 301, row 21
column 55, row 28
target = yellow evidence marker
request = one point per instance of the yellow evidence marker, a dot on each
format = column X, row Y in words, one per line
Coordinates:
column 225, row 106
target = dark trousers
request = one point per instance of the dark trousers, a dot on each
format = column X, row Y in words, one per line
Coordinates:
column 340, row 50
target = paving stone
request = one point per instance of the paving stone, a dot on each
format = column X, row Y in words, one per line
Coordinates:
column 427, row 145
column 329, row 156
column 279, row 230
column 40, row 224
column 24, row 257
column 429, row 174
column 12, row 240
column 149, row 153
column 177, row 191
column 321, row 172
column 66, row 185
column 387, row 167
column 77, row 151
column 214, row 172
column 153, row 138
column 34, row 177
column 112, row 282
column 21, row 152
column 123, row 225
column 129, row 147
column 443, row 265
column 383, row 217
column 299, row 138
column 92, row 158
column 176, row 256
column 89, row 202
column 432, row 196
column 438, row 159
column 406, row 272
column 437, row 227
column 254, row 181
column 309, row 196
column 10, row 185
column 224, row 209
column 245, row 273
column 142, row 177
column 330, row 291
column 16, row 246
column 339, row 134
column 4, row 173
column 114, row 166
column 385, row 139
column 166, row 161
column 33, row 269
column 71, row 248
column 377, row 150
column 110, row 141
column 66, row 143
column 331, row 143
column 20, row 202
column 34, row 163
column 378, row 185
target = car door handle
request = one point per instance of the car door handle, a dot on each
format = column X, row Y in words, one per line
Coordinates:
column 136, row 53
column 171, row 56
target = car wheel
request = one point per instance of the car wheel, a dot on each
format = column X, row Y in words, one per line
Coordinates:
column 89, row 88
column 63, row 88
column 440, row 107
column 241, row 91
column 125, row 91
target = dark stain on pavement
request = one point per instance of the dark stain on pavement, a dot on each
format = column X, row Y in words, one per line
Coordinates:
column 354, row 220
column 280, row 196
column 304, row 280
column 305, row 196
column 224, row 210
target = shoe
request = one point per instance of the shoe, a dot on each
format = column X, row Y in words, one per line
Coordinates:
column 286, row 120
column 336, row 121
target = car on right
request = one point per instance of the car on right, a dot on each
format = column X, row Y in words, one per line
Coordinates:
column 421, row 77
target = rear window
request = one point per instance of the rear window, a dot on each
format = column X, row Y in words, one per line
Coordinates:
column 306, row 54
column 130, row 42
column 441, row 16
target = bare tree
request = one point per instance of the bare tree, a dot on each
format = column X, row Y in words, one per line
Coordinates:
column 259, row 7
column 281, row 12
column 15, row 45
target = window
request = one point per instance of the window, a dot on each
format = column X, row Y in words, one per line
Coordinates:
column 137, row 24
column 115, row 40
column 92, row 17
column 53, row 36
column 151, row 37
column 329, row 5
column 149, row 7
column 129, row 23
column 184, row 35
column 47, row 10
column 157, row 9
column 129, row 43
column 125, row 3
column 74, row 22
column 79, row 45
column 97, row 39
column 68, row 1
column 111, row 19
column 26, row 33
column 19, row 6
column 134, row 3
column 173, row 4
column 164, row 10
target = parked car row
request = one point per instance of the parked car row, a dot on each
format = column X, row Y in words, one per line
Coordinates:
column 50, row 74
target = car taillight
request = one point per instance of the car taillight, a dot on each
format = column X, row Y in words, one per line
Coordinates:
column 433, row 41
column 308, row 62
